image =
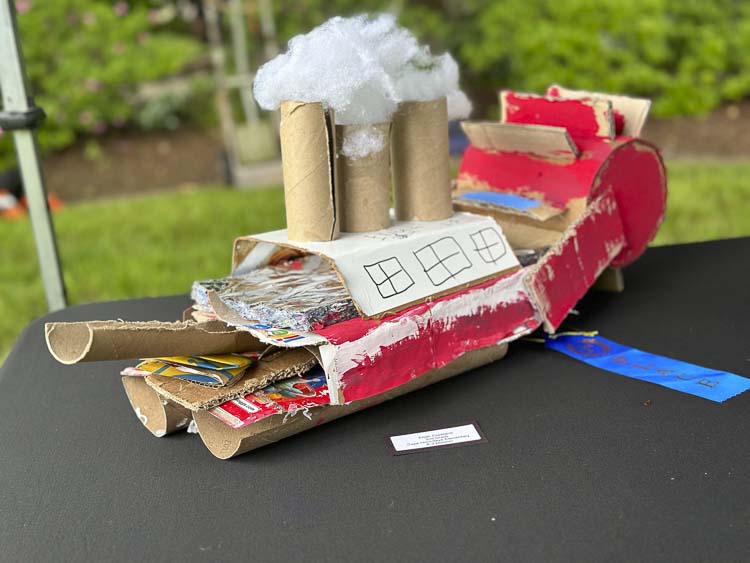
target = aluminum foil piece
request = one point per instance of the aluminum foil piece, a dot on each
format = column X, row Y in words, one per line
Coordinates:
column 301, row 294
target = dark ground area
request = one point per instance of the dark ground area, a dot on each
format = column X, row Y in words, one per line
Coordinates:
column 141, row 162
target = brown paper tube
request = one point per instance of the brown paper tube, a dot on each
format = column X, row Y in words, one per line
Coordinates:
column 225, row 442
column 308, row 146
column 420, row 159
column 158, row 415
column 364, row 184
column 94, row 341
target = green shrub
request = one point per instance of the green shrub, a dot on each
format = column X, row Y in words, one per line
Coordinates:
column 85, row 60
column 688, row 55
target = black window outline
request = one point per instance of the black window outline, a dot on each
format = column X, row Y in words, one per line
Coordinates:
column 389, row 279
column 487, row 246
column 441, row 261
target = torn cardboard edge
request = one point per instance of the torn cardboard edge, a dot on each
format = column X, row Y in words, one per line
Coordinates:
column 225, row 442
column 561, row 277
column 94, row 341
column 420, row 161
column 160, row 416
column 393, row 269
column 595, row 115
column 538, row 141
column 308, row 150
column 281, row 364
column 634, row 111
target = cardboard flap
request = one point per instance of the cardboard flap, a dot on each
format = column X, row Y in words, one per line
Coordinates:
column 630, row 114
column 93, row 341
column 274, row 367
column 408, row 263
column 583, row 118
column 542, row 141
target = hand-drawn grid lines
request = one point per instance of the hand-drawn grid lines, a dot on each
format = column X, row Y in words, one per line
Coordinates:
column 442, row 260
column 489, row 245
column 389, row 277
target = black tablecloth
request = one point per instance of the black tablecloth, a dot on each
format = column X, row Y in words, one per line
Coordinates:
column 580, row 464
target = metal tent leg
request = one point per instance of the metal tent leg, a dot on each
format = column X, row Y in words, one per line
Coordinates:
column 20, row 116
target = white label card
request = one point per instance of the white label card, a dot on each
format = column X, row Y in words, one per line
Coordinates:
column 440, row 438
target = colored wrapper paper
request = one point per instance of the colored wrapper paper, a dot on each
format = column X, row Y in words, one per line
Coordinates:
column 364, row 184
column 420, row 158
column 717, row 386
column 308, row 147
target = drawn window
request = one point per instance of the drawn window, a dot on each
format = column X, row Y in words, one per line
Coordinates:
column 442, row 260
column 489, row 245
column 389, row 277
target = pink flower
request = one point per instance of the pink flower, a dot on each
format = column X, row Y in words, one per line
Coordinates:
column 86, row 118
column 143, row 37
column 121, row 8
column 119, row 48
column 100, row 128
column 89, row 18
column 23, row 6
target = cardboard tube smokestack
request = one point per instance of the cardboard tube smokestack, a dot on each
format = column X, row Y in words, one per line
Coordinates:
column 225, row 442
column 308, row 147
column 420, row 158
column 364, row 184
column 158, row 415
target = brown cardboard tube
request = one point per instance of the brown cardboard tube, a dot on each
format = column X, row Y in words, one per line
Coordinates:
column 420, row 159
column 94, row 341
column 225, row 442
column 158, row 415
column 308, row 147
column 364, row 184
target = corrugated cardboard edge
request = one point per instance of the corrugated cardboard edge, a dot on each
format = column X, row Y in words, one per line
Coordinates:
column 308, row 149
column 541, row 141
column 274, row 367
column 420, row 161
column 160, row 416
column 90, row 341
column 364, row 184
column 634, row 110
column 225, row 442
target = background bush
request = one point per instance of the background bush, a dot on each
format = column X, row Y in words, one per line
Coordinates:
column 86, row 59
column 689, row 56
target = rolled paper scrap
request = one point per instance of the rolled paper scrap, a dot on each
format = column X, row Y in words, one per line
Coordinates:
column 420, row 160
column 95, row 341
column 160, row 416
column 225, row 442
column 308, row 147
column 364, row 184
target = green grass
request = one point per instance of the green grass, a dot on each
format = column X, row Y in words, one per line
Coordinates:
column 158, row 244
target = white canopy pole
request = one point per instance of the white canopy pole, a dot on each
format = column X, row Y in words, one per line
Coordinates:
column 21, row 116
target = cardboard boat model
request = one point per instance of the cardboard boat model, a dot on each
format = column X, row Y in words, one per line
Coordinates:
column 557, row 196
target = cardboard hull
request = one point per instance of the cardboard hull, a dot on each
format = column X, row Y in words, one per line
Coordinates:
column 225, row 442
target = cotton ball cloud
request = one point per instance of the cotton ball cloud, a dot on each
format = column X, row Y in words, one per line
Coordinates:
column 334, row 64
column 427, row 78
column 361, row 68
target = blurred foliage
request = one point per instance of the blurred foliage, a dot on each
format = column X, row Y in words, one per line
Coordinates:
column 688, row 55
column 86, row 60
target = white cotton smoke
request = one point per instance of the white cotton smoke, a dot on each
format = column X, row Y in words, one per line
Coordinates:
column 361, row 68
column 362, row 142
